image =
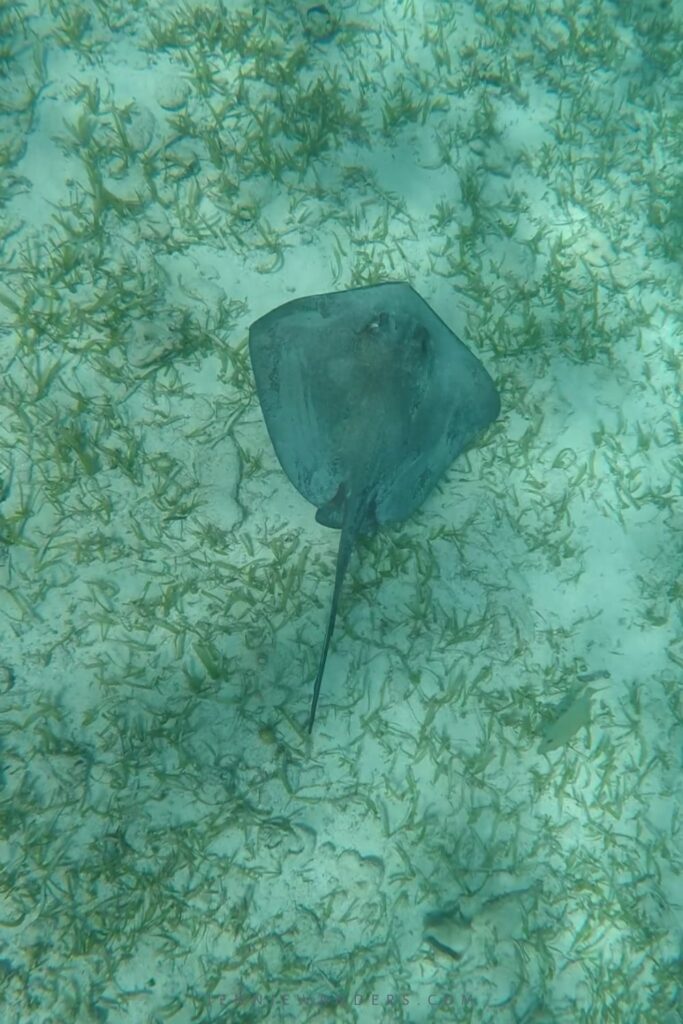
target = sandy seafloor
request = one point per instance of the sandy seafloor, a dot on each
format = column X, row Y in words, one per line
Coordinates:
column 486, row 823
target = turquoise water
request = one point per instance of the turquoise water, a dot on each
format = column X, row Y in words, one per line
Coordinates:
column 484, row 823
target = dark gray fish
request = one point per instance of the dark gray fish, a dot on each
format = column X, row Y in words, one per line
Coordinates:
column 368, row 397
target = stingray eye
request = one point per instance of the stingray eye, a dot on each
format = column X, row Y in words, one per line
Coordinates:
column 377, row 324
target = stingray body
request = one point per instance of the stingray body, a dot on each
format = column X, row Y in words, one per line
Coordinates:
column 368, row 397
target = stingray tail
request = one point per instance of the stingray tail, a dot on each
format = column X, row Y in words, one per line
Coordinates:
column 348, row 535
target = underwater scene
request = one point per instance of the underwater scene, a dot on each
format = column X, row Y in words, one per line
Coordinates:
column 341, row 511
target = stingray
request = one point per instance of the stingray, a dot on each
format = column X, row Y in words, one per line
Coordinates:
column 368, row 397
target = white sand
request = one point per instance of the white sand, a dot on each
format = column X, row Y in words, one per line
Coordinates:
column 173, row 847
